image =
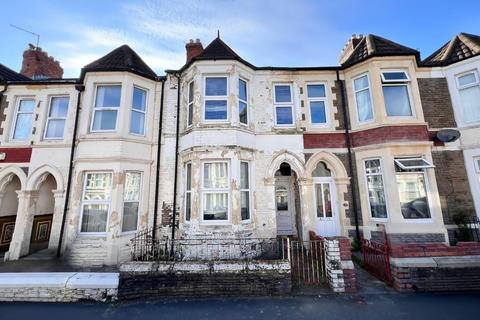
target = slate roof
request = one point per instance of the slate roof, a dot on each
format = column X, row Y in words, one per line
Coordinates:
column 7, row 74
column 374, row 46
column 121, row 59
column 461, row 47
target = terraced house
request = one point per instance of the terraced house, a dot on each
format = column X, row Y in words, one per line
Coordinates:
column 224, row 149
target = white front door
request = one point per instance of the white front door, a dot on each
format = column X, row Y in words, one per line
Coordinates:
column 325, row 207
column 284, row 206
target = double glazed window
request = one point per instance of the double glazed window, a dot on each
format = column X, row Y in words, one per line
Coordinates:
column 216, row 99
column 242, row 101
column 57, row 116
column 107, row 104
column 244, row 190
column 96, row 200
column 317, row 101
column 188, row 191
column 139, row 109
column 469, row 90
column 376, row 189
column 131, row 201
column 283, row 103
column 190, row 104
column 396, row 93
column 363, row 98
column 23, row 119
column 215, row 191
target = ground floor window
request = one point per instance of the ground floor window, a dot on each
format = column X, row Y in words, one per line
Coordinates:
column 376, row 189
column 188, row 191
column 131, row 201
column 245, row 190
column 96, row 201
column 215, row 193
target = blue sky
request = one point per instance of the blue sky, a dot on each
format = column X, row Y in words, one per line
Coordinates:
column 270, row 32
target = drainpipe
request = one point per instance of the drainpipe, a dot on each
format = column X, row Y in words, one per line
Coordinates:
column 175, row 182
column 157, row 177
column 80, row 88
column 350, row 157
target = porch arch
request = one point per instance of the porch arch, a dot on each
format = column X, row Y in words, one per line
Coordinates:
column 295, row 162
column 334, row 164
column 7, row 173
column 40, row 174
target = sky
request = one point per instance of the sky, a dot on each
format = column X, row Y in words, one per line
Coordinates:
column 263, row 32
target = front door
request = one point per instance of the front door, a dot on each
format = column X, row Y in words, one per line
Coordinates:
column 326, row 209
column 42, row 225
column 284, row 206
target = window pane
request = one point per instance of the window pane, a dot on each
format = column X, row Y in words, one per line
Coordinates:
column 470, row 98
column 243, row 112
column 284, row 115
column 59, row 107
column 55, row 128
column 190, row 114
column 318, row 195
column 364, row 105
column 317, row 112
column 244, row 175
column 23, row 126
column 327, row 199
column 216, row 110
column 132, row 186
column 321, row 170
column 361, row 83
column 105, row 120
column 26, row 105
column 467, row 79
column 413, row 196
column 137, row 123
column 216, row 86
column 188, row 175
column 316, row 90
column 94, row 218
column 139, row 99
column 376, row 194
column 281, row 195
column 216, row 206
column 245, row 205
column 373, row 166
column 188, row 206
column 413, row 163
column 190, row 92
column 242, row 90
column 399, row 76
column 130, row 216
column 108, row 96
column 215, row 175
column 98, row 186
column 397, row 101
column 282, row 93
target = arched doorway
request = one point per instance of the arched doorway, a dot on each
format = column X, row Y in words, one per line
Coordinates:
column 326, row 205
column 8, row 210
column 287, row 201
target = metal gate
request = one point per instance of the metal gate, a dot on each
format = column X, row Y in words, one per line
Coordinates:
column 376, row 259
column 307, row 260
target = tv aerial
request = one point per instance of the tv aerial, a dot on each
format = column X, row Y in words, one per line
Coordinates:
column 27, row 31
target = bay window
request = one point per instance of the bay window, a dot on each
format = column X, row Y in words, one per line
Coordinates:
column 215, row 193
column 244, row 190
column 469, row 90
column 363, row 98
column 131, row 201
column 216, row 99
column 396, row 94
column 242, row 101
column 107, row 104
column 190, row 104
column 376, row 189
column 317, row 102
column 23, row 119
column 96, row 200
column 138, row 112
column 57, row 116
column 283, row 104
column 188, row 191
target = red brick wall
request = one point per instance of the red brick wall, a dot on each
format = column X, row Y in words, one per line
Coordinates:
column 408, row 250
column 38, row 64
column 16, row 155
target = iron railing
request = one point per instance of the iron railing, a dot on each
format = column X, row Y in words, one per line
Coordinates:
column 468, row 229
column 308, row 262
column 376, row 258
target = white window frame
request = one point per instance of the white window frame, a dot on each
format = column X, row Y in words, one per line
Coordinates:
column 398, row 83
column 395, row 71
column 105, row 108
column 318, row 99
column 191, row 90
column 132, row 110
column 188, row 191
column 244, row 101
column 366, row 175
column 283, row 104
column 215, row 98
column 15, row 117
column 128, row 201
column 84, row 202
column 476, row 161
column 246, row 190
column 427, row 164
column 460, row 88
column 369, row 88
column 55, row 118
column 215, row 190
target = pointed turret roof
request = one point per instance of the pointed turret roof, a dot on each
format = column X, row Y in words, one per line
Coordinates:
column 461, row 47
column 7, row 74
column 121, row 59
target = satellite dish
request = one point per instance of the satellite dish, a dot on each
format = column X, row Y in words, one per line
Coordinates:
column 448, row 135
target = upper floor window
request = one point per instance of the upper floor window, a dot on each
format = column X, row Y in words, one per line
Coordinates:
column 396, row 93
column 57, row 116
column 216, row 99
column 363, row 98
column 139, row 109
column 131, row 201
column 376, row 188
column 469, row 91
column 190, row 104
column 477, row 164
column 107, row 103
column 242, row 101
column 215, row 191
column 283, row 103
column 317, row 101
column 96, row 201
column 23, row 119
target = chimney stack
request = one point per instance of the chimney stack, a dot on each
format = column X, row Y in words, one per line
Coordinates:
column 37, row 64
column 350, row 46
column 194, row 48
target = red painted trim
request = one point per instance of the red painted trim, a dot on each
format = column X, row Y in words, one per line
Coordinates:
column 16, row 155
